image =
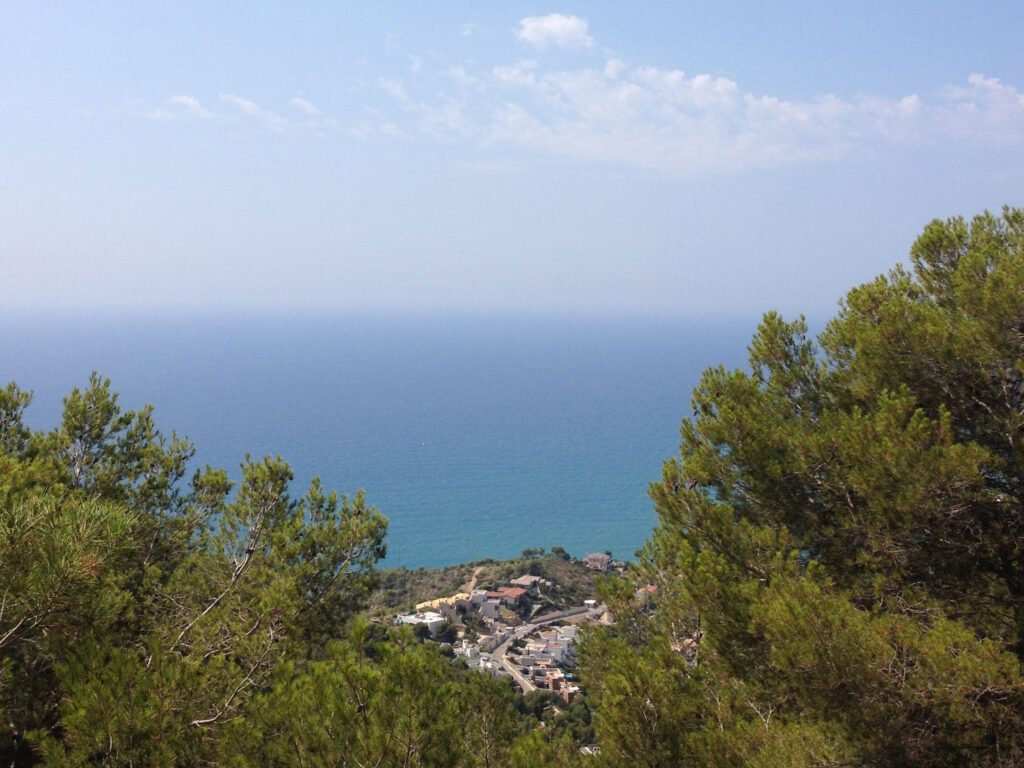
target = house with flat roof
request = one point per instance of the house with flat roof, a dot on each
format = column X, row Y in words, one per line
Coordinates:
column 526, row 581
column 491, row 609
column 598, row 561
column 431, row 619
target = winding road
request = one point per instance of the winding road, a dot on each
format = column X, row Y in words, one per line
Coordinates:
column 500, row 652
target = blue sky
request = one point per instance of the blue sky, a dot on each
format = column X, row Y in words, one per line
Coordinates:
column 679, row 158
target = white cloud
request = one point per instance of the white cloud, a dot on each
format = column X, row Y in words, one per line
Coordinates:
column 268, row 119
column 984, row 108
column 249, row 107
column 361, row 131
column 191, row 106
column 305, row 106
column 469, row 29
column 446, row 119
column 182, row 107
column 663, row 118
column 555, row 30
column 394, row 89
column 648, row 116
column 460, row 76
column 415, row 64
column 612, row 68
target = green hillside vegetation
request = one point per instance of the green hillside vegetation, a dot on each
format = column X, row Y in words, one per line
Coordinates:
column 837, row 562
column 148, row 621
column 400, row 589
column 840, row 542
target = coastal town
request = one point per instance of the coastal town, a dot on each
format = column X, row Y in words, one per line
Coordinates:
column 510, row 630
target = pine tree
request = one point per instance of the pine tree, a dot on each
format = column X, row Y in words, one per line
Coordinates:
column 838, row 554
column 139, row 614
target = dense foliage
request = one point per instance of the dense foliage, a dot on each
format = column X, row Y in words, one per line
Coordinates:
column 839, row 550
column 838, row 573
column 149, row 621
column 141, row 615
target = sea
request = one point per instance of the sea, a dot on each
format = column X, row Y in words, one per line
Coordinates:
column 477, row 435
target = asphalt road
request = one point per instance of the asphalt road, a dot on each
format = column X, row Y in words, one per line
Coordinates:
column 499, row 653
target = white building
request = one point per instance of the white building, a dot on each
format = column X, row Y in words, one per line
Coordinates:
column 432, row 619
column 467, row 649
column 490, row 609
column 598, row 561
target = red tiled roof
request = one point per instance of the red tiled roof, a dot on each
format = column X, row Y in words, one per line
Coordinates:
column 513, row 592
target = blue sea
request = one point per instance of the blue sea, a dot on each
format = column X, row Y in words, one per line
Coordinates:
column 477, row 436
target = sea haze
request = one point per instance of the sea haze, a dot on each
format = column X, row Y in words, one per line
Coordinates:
column 477, row 436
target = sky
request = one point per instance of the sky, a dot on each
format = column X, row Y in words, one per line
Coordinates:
column 667, row 158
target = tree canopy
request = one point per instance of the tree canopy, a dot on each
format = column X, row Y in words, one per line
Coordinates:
column 836, row 576
column 149, row 620
column 142, row 614
column 838, row 558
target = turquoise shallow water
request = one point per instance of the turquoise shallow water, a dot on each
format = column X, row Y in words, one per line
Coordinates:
column 476, row 436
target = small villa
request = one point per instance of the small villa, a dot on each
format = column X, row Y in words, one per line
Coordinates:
column 526, row 581
column 598, row 561
column 430, row 618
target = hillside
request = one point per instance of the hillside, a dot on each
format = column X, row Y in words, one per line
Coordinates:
column 836, row 577
column 400, row 589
